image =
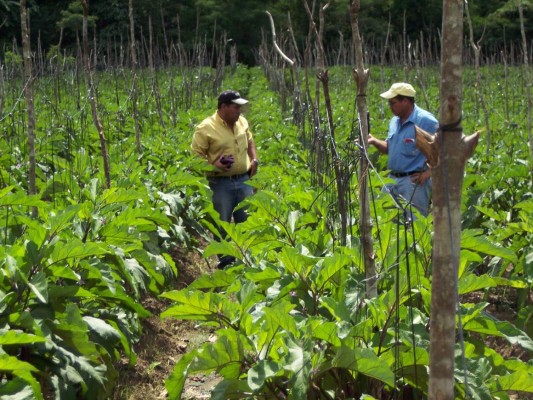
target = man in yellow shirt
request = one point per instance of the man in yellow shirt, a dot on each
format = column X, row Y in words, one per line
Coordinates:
column 225, row 141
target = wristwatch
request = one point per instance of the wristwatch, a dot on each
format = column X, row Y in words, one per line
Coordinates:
column 255, row 161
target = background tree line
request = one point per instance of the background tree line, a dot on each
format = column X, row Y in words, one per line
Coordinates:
column 187, row 23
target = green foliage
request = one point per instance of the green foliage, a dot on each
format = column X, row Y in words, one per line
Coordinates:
column 71, row 278
column 12, row 59
column 215, row 25
column 291, row 318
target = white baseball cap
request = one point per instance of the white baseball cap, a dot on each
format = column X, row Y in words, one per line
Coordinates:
column 399, row 89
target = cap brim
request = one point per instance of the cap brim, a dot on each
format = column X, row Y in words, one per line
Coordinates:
column 389, row 94
column 240, row 101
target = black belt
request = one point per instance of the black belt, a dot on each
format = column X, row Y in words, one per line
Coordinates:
column 231, row 177
column 402, row 174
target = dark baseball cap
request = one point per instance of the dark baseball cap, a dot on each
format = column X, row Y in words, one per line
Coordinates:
column 231, row 96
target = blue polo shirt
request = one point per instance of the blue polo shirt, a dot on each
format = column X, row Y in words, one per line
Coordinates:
column 404, row 156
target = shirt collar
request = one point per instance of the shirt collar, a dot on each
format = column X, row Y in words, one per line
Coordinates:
column 413, row 116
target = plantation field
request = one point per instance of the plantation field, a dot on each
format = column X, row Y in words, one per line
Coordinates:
column 86, row 267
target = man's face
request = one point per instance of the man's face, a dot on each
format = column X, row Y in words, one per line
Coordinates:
column 395, row 105
column 230, row 112
column 401, row 107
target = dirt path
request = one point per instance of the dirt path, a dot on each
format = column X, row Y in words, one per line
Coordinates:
column 162, row 344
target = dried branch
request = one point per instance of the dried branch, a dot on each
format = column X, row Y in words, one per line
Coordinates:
column 274, row 40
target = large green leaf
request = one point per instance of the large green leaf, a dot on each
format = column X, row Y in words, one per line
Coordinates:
column 230, row 389
column 475, row 240
column 490, row 326
column 330, row 270
column 16, row 389
column 365, row 362
column 298, row 361
column 119, row 297
column 12, row 337
column 94, row 375
column 176, row 381
column 295, row 262
column 115, row 195
column 279, row 316
column 156, row 266
column 519, row 381
column 22, row 370
column 196, row 305
column 39, row 286
column 103, row 333
column 261, row 372
column 120, row 235
column 20, row 199
column 226, row 355
column 469, row 283
column 75, row 249
column 222, row 248
column 62, row 220
column 215, row 280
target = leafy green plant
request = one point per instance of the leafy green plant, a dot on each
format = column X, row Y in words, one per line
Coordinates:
column 291, row 319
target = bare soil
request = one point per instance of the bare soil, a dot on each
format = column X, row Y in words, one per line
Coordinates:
column 163, row 342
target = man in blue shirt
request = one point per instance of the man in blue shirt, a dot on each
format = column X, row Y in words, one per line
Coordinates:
column 406, row 163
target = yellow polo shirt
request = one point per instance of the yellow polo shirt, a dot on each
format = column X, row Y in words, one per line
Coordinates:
column 213, row 138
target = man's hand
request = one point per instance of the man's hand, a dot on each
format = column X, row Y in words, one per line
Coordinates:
column 224, row 162
column 420, row 177
column 253, row 167
column 381, row 145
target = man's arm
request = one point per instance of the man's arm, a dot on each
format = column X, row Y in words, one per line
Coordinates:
column 381, row 145
column 253, row 157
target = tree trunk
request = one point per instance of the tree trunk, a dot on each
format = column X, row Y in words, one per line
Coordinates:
column 361, row 79
column 28, row 95
column 447, row 155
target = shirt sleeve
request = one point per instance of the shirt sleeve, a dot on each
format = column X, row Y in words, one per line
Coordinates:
column 249, row 135
column 393, row 123
column 429, row 125
column 199, row 144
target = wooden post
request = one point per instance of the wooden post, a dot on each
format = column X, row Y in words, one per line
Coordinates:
column 360, row 75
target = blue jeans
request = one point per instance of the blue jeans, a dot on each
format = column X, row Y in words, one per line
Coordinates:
column 228, row 192
column 413, row 194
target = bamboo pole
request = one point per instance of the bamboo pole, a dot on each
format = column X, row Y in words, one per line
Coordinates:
column 28, row 95
column 361, row 75
column 528, row 83
column 134, row 78
column 92, row 96
column 476, row 47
